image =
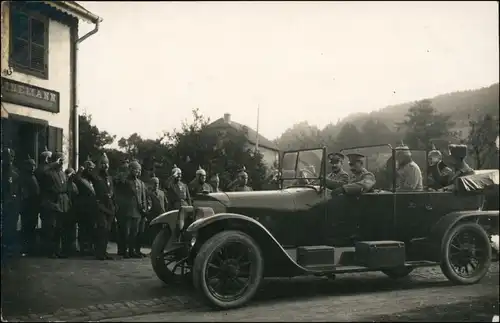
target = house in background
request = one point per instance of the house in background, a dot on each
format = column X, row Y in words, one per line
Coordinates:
column 267, row 148
column 39, row 41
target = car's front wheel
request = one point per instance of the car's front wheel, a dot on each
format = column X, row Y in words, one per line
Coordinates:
column 228, row 269
column 167, row 259
column 466, row 253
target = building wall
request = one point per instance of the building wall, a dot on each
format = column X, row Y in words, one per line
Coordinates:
column 59, row 76
column 269, row 156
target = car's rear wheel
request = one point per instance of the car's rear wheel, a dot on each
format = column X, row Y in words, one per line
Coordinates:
column 398, row 273
column 167, row 259
column 466, row 253
column 228, row 269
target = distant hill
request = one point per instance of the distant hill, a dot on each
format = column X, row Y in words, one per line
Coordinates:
column 460, row 105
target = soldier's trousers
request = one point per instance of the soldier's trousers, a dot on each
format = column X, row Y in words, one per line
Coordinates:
column 29, row 220
column 86, row 232
column 103, row 229
column 59, row 231
column 130, row 227
column 141, row 235
column 9, row 216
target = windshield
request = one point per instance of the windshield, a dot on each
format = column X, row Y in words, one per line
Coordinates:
column 302, row 167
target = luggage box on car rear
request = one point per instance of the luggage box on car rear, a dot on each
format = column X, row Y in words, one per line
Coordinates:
column 380, row 254
column 316, row 256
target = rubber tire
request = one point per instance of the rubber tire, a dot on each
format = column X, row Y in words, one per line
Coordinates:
column 398, row 273
column 445, row 264
column 201, row 260
column 161, row 241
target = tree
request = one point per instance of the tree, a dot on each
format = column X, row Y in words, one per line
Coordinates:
column 92, row 141
column 377, row 133
column 301, row 136
column 349, row 136
column 482, row 135
column 423, row 124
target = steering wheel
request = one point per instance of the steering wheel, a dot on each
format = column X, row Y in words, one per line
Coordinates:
column 307, row 176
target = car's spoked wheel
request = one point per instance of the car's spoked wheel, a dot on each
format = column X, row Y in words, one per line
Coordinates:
column 167, row 260
column 466, row 254
column 228, row 269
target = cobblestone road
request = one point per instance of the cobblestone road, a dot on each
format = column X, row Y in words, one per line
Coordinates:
column 39, row 289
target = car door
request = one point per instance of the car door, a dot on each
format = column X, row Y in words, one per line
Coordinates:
column 413, row 210
column 368, row 216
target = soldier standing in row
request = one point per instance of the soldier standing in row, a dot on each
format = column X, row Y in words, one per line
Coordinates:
column 241, row 182
column 30, row 206
column 439, row 174
column 199, row 185
column 72, row 219
column 408, row 174
column 338, row 176
column 361, row 181
column 40, row 174
column 122, row 195
column 159, row 202
column 86, row 207
column 103, row 185
column 56, row 203
column 10, row 203
column 177, row 192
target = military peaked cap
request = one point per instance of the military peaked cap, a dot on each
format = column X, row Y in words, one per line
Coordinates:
column 458, row 151
column 355, row 157
column 336, row 157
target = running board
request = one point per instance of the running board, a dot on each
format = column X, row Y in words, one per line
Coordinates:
column 315, row 270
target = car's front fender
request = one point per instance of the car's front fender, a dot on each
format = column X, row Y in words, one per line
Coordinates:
column 166, row 219
column 274, row 254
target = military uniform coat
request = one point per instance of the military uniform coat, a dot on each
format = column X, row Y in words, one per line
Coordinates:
column 439, row 176
column 197, row 188
column 105, row 194
column 244, row 188
column 409, row 178
column 134, row 198
column 360, row 183
column 178, row 195
column 159, row 202
column 337, row 179
column 86, row 201
column 56, row 189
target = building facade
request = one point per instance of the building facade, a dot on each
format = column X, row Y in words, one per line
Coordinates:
column 38, row 77
column 269, row 150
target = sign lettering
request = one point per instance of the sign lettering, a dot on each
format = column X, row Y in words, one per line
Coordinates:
column 29, row 95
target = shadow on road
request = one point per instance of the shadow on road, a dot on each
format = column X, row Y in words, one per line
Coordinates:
column 480, row 309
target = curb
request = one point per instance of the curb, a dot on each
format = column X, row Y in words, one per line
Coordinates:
column 114, row 310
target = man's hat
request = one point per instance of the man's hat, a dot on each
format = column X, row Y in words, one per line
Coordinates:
column 104, row 159
column 335, row 157
column 46, row 153
column 403, row 149
column 30, row 161
column 434, row 152
column 458, row 151
column 155, row 180
column 176, row 171
column 69, row 171
column 56, row 155
column 88, row 163
column 135, row 165
column 355, row 157
column 201, row 171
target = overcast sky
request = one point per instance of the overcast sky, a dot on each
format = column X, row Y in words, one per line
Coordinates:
column 151, row 63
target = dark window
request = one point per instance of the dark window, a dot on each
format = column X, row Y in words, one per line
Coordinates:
column 55, row 139
column 29, row 42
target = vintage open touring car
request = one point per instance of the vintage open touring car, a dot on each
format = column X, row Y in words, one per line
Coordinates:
column 228, row 242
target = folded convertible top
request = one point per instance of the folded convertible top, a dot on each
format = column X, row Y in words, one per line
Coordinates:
column 480, row 181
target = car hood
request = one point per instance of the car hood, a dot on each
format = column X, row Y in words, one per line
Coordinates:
column 276, row 199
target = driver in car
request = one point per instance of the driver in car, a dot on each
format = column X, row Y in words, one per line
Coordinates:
column 338, row 176
column 361, row 181
column 242, row 181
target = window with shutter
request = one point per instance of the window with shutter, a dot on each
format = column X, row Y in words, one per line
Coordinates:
column 55, row 139
column 29, row 42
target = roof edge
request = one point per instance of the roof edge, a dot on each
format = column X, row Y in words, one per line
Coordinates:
column 74, row 9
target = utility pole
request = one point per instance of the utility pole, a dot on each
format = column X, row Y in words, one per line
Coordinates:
column 257, row 139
